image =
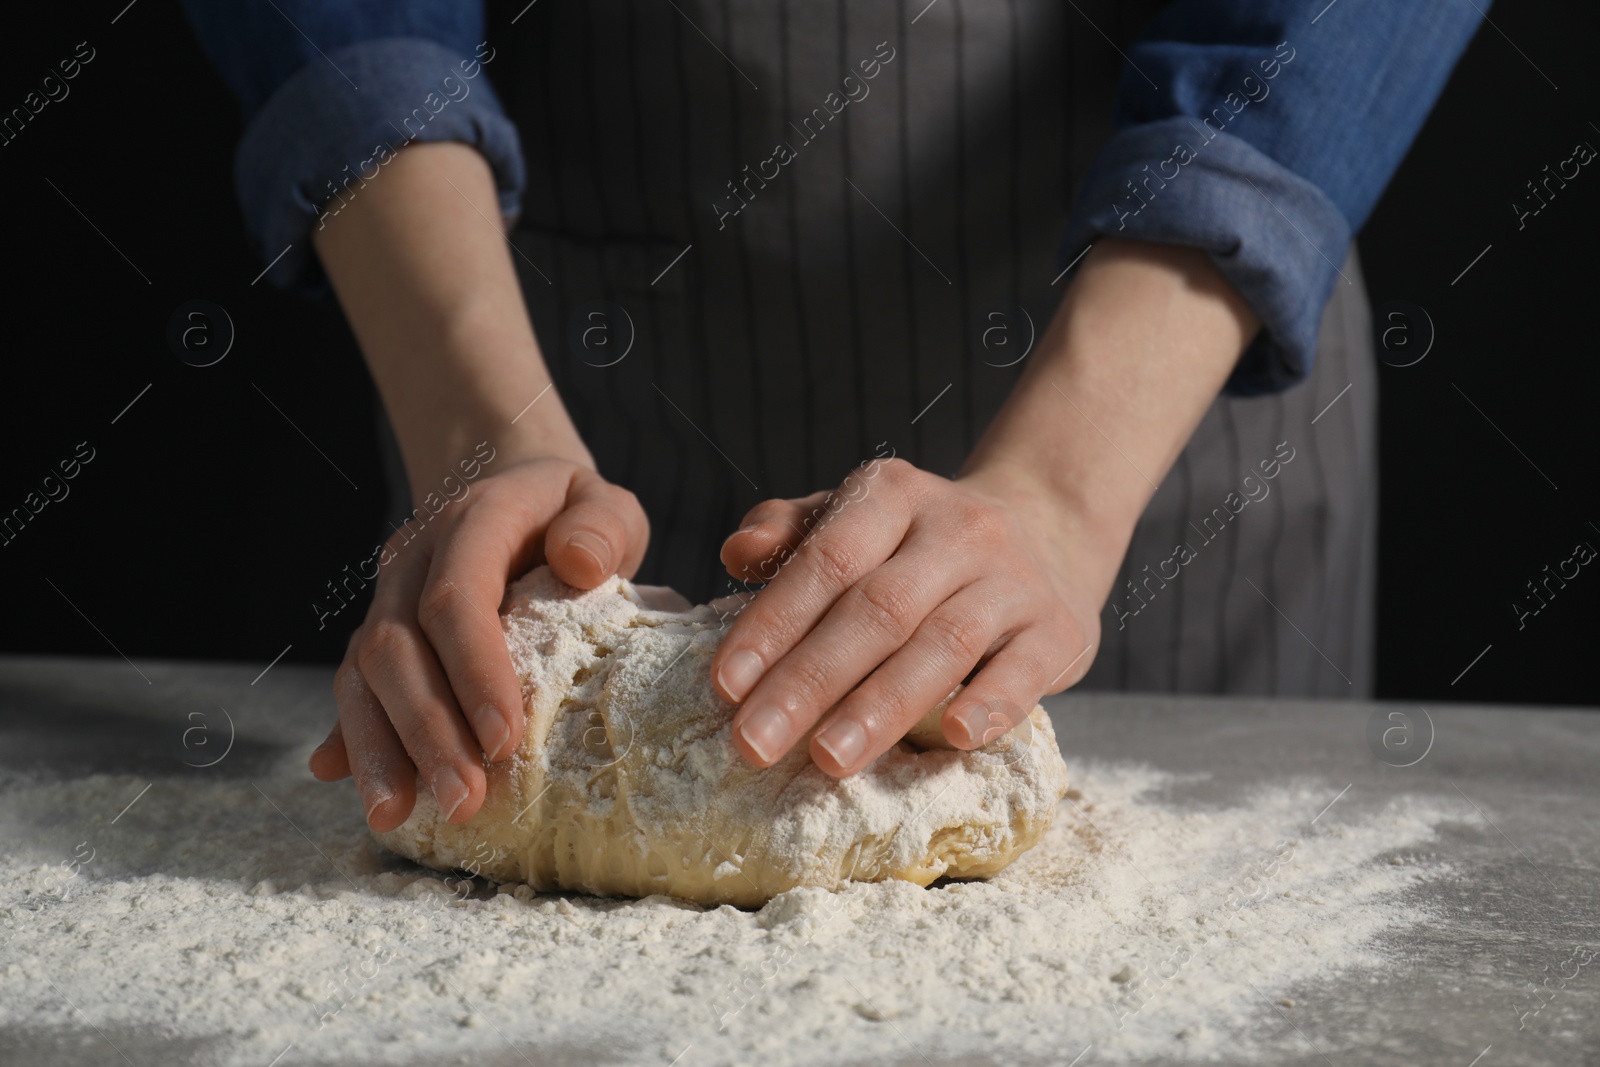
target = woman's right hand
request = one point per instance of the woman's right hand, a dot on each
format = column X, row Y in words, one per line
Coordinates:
column 427, row 689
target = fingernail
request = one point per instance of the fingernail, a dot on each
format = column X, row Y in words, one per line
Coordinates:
column 379, row 798
column 450, row 789
column 491, row 728
column 767, row 733
column 747, row 528
column 844, row 740
column 972, row 720
column 739, row 674
column 594, row 545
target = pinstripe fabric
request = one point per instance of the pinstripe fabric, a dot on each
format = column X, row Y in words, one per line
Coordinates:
column 1279, row 598
column 851, row 289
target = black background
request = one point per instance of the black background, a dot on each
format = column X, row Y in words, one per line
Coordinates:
column 207, row 522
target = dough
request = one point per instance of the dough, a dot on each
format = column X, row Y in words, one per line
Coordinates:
column 627, row 783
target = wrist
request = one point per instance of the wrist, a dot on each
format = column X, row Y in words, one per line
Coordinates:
column 1141, row 344
column 481, row 380
column 1076, row 537
column 458, row 429
column 471, row 447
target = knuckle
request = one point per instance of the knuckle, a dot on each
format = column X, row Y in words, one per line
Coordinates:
column 417, row 737
column 982, row 525
column 765, row 628
column 891, row 602
column 438, row 605
column 896, row 469
column 1028, row 673
column 487, row 499
column 904, row 479
column 491, row 490
column 628, row 501
column 607, row 505
column 962, row 635
column 465, row 512
column 1012, row 602
column 346, row 680
column 835, row 561
column 882, row 702
column 1069, row 631
column 1043, row 664
column 383, row 647
column 807, row 681
column 768, row 510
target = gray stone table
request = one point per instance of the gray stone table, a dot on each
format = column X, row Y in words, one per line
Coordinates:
column 1527, row 889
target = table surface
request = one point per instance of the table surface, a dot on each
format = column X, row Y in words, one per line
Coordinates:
column 1526, row 890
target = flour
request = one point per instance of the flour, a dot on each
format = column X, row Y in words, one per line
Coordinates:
column 1142, row 926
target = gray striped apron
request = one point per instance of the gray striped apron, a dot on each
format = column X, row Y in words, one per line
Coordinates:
column 730, row 320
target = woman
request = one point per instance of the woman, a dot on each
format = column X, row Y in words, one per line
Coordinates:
column 763, row 243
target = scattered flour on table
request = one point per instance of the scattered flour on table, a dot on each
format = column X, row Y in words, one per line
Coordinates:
column 1144, row 927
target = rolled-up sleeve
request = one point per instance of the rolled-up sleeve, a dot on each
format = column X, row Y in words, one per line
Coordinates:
column 331, row 90
column 1264, row 132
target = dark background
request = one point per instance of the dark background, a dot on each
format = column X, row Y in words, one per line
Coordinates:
column 206, row 522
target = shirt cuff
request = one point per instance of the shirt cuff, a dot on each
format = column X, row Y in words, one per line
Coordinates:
column 317, row 137
column 1276, row 237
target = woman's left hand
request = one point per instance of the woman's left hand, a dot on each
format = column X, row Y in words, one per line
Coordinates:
column 887, row 593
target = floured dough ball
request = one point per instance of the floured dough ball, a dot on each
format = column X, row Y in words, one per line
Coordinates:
column 627, row 782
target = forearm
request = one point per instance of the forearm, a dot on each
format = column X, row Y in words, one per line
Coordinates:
column 1138, row 350
column 426, row 280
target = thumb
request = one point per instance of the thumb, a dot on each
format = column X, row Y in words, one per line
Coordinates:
column 602, row 531
column 751, row 552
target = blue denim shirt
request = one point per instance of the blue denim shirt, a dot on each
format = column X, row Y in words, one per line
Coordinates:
column 1273, row 193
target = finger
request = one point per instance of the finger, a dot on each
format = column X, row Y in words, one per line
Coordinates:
column 872, row 620
column 459, row 611
column 943, row 651
column 1005, row 690
column 749, row 552
column 330, row 761
column 853, row 541
column 602, row 531
column 385, row 776
column 399, row 665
